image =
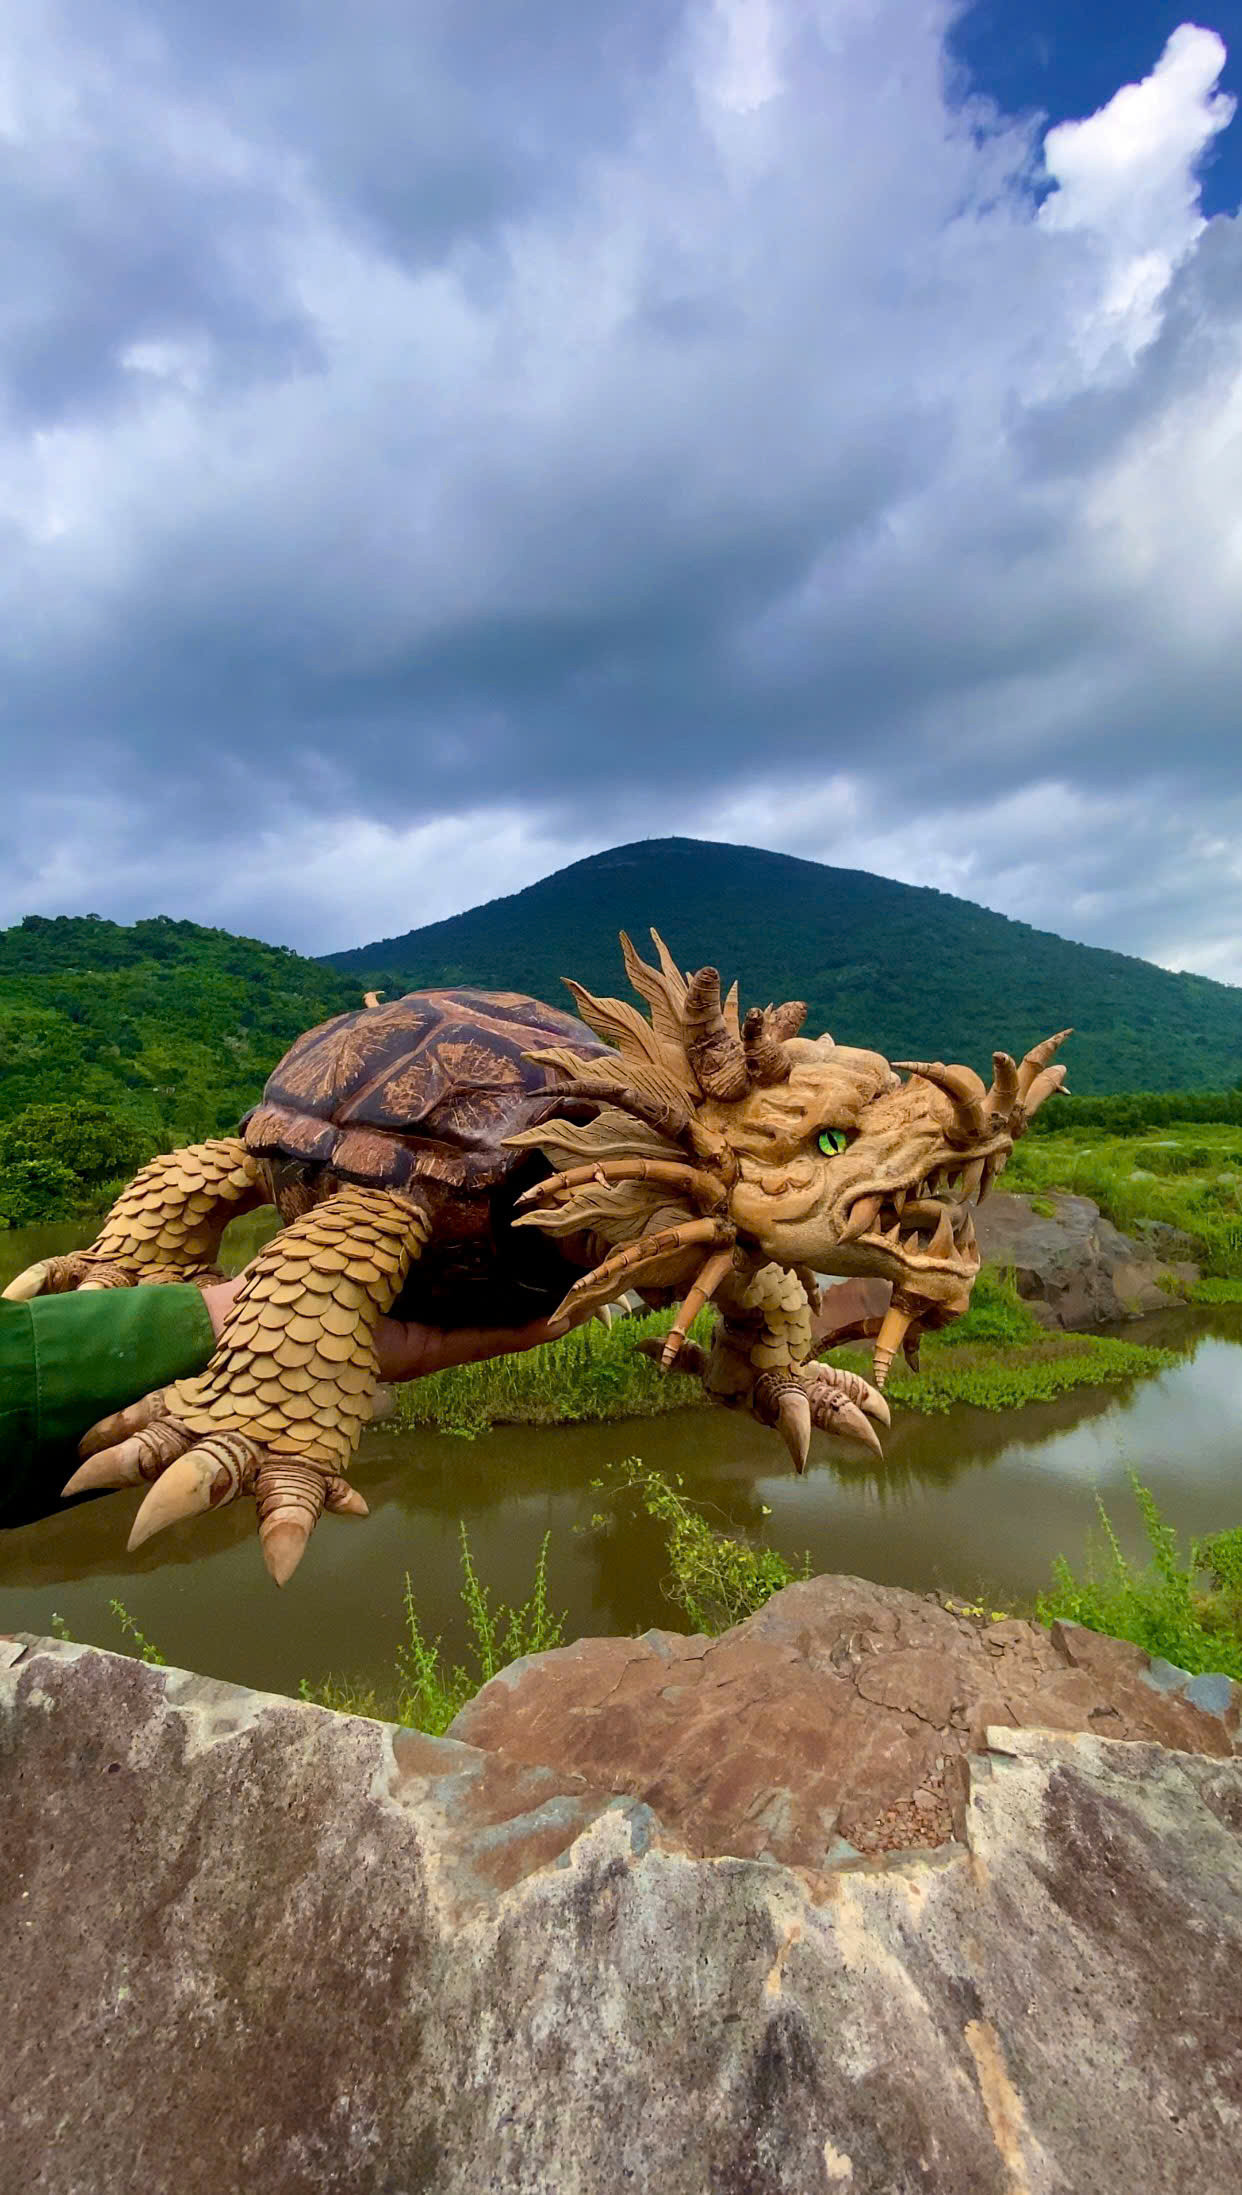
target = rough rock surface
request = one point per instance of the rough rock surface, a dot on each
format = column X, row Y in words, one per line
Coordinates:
column 1074, row 1267
column 836, row 1718
column 249, row 1945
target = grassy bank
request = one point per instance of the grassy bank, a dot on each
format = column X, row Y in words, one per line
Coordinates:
column 1187, row 1176
column 997, row 1358
column 595, row 1375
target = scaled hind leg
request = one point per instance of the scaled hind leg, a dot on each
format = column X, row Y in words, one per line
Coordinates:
column 165, row 1227
column 278, row 1411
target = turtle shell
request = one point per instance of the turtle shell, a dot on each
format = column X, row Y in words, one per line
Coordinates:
column 426, row 1087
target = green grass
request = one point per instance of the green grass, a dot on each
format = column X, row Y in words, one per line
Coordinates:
column 1187, row 1176
column 715, row 1581
column 594, row 1374
column 999, row 1357
column 1216, row 1290
column 425, row 1692
column 1186, row 1607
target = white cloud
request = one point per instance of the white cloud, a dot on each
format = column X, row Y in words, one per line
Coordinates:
column 1126, row 178
column 422, row 466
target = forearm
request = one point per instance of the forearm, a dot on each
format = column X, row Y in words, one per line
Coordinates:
column 66, row 1361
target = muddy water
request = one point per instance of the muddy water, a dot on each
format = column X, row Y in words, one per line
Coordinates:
column 976, row 1502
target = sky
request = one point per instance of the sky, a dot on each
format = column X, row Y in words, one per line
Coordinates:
column 438, row 442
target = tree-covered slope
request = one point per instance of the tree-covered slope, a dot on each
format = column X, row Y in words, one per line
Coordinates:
column 913, row 973
column 168, row 1026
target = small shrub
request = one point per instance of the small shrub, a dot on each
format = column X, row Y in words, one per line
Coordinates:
column 147, row 1652
column 716, row 1581
column 426, row 1692
column 1169, row 1608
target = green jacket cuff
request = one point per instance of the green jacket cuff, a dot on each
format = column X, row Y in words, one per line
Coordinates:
column 67, row 1360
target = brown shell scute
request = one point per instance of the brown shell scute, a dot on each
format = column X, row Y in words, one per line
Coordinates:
column 430, row 1084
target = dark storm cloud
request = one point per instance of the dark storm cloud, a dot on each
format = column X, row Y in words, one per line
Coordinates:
column 440, row 441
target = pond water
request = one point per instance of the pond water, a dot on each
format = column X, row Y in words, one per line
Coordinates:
column 975, row 1502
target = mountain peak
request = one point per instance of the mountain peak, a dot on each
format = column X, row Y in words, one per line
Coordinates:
column 905, row 969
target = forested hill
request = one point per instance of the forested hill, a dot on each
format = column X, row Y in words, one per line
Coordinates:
column 913, row 973
column 168, row 1026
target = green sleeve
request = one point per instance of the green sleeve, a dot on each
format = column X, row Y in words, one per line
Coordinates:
column 67, row 1360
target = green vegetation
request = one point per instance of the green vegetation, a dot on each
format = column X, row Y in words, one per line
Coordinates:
column 1190, row 1180
column 154, row 1035
column 1186, row 1608
column 56, row 1160
column 856, row 947
column 715, row 1581
column 1212, row 1290
column 1138, row 1112
column 425, row 1692
column 997, row 1358
column 594, row 1375
column 146, row 1651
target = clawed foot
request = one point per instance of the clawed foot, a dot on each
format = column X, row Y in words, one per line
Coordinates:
column 57, row 1276
column 795, row 1399
column 806, row 1397
column 187, row 1473
column 79, row 1270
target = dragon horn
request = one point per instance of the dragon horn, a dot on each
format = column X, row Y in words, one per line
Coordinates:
column 960, row 1084
column 1050, row 1080
column 1037, row 1059
column 1003, row 1095
column 786, row 1020
column 765, row 1055
column 715, row 1055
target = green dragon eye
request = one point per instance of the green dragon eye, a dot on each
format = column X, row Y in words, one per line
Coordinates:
column 830, row 1142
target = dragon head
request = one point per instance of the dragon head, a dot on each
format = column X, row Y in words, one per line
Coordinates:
column 794, row 1151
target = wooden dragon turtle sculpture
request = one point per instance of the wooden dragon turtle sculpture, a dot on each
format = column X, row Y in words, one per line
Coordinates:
column 473, row 1158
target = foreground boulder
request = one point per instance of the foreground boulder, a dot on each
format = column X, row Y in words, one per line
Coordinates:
column 250, row 1945
column 835, row 1722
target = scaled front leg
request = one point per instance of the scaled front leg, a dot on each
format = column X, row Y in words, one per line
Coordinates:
column 278, row 1411
column 165, row 1227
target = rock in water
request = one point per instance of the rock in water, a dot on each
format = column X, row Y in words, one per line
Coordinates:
column 250, row 1945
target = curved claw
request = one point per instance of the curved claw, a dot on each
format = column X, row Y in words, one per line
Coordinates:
column 291, row 1497
column 184, row 1489
column 133, row 1462
column 24, row 1287
column 794, row 1423
column 135, row 1417
column 843, row 1417
column 344, row 1500
column 855, row 1389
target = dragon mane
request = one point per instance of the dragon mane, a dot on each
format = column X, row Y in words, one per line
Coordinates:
column 647, row 1176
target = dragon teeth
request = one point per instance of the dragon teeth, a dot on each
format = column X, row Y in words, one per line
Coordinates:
column 942, row 1241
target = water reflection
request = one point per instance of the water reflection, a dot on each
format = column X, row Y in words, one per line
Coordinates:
column 973, row 1501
